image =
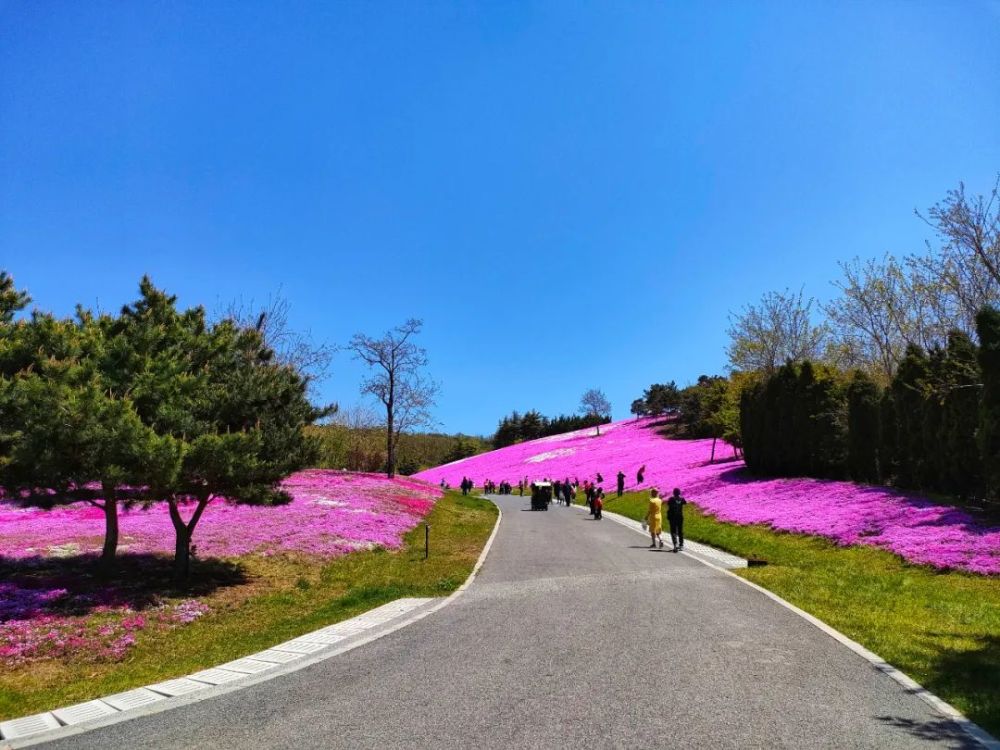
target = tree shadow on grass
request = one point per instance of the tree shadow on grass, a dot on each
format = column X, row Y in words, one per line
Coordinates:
column 34, row 586
column 975, row 674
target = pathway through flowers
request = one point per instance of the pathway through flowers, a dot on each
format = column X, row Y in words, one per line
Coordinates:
column 912, row 526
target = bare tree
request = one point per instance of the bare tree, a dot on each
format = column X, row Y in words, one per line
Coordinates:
column 966, row 268
column 884, row 306
column 762, row 337
column 291, row 347
column 593, row 403
column 888, row 304
column 396, row 381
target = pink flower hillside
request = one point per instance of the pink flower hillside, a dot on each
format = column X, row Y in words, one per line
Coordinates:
column 907, row 524
column 331, row 513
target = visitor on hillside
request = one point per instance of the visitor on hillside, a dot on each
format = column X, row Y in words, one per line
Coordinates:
column 675, row 517
column 640, row 474
column 520, row 487
column 600, row 479
column 598, row 504
column 556, row 490
column 654, row 519
column 567, row 492
column 621, row 483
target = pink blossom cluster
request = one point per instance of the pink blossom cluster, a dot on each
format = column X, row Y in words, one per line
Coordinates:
column 331, row 513
column 40, row 622
column 905, row 523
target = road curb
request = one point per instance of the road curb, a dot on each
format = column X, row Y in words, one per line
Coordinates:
column 206, row 693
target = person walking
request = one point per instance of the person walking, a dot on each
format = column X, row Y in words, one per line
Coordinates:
column 654, row 518
column 567, row 492
column 640, row 475
column 675, row 517
column 621, row 483
column 598, row 504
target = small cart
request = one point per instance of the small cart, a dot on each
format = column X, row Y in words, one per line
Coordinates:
column 541, row 495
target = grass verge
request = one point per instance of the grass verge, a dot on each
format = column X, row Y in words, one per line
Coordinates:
column 285, row 597
column 940, row 628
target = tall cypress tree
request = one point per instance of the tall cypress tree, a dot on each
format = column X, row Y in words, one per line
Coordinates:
column 863, row 423
column 888, row 438
column 960, row 417
column 909, row 397
column 988, row 327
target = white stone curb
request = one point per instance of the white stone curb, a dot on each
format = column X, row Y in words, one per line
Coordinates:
column 973, row 730
column 276, row 661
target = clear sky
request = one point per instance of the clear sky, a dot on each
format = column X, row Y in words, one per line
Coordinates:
column 570, row 194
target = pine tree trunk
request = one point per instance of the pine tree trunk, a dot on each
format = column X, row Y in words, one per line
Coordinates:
column 712, row 459
column 182, row 556
column 110, row 548
column 182, row 538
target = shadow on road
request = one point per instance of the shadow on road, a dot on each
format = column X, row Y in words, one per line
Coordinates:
column 939, row 730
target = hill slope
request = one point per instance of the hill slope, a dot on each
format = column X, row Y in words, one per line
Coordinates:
column 907, row 524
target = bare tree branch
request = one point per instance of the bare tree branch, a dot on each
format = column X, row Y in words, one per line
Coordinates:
column 396, row 381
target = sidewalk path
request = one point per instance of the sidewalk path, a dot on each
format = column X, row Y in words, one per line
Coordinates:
column 573, row 635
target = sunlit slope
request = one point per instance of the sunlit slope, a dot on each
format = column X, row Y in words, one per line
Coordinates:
column 908, row 524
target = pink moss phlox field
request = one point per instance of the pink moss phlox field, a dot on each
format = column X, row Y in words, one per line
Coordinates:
column 907, row 524
column 331, row 513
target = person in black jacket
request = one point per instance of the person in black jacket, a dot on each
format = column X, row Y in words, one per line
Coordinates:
column 675, row 517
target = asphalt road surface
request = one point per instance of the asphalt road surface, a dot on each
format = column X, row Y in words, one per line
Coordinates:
column 574, row 635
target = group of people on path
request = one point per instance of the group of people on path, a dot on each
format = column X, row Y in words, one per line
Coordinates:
column 565, row 491
column 675, row 518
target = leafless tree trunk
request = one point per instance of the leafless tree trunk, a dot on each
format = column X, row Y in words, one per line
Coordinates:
column 397, row 381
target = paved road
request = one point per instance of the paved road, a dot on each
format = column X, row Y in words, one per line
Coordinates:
column 573, row 635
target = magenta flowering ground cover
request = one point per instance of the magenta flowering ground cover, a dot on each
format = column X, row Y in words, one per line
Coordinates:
column 50, row 608
column 331, row 513
column 907, row 524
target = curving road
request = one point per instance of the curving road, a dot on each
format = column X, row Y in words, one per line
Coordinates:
column 573, row 635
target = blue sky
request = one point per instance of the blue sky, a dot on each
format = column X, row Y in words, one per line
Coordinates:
column 571, row 195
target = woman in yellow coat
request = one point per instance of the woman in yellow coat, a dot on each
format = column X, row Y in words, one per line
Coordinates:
column 654, row 518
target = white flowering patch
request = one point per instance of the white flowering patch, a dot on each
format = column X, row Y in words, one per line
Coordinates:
column 558, row 453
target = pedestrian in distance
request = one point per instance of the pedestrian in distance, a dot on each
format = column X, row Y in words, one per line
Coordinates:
column 654, row 519
column 598, row 505
column 621, row 483
column 600, row 479
column 675, row 517
column 640, row 475
column 567, row 492
column 520, row 487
